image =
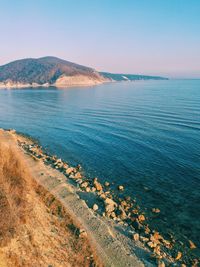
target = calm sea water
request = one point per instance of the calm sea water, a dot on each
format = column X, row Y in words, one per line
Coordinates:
column 140, row 134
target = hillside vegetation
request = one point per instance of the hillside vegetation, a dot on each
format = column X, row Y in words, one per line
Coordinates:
column 57, row 72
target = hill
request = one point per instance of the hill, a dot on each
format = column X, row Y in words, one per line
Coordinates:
column 129, row 77
column 52, row 71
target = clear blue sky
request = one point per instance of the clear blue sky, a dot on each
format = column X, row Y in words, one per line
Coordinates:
column 131, row 36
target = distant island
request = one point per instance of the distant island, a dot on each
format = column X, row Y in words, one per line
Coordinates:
column 52, row 71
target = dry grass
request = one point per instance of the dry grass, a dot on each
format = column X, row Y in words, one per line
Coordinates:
column 35, row 229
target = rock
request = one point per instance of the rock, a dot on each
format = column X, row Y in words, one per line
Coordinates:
column 157, row 250
column 154, row 240
column 120, row 187
column 103, row 196
column 161, row 264
column 124, row 203
column 98, row 186
column 95, row 207
column 78, row 175
column 93, row 189
column 136, row 237
column 84, row 185
column 144, row 239
column 147, row 230
column 78, row 167
column 166, row 243
column 87, row 189
column 122, row 214
column 107, row 184
column 135, row 211
column 69, row 170
column 79, row 181
column 65, row 166
column 179, row 256
column 192, row 245
column 113, row 215
column 155, row 210
column 110, row 205
column 127, row 198
column 141, row 218
column 151, row 244
column 157, row 236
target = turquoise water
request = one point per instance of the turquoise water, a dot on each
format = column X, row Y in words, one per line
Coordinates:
column 140, row 134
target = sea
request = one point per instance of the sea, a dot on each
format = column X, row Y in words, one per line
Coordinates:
column 144, row 135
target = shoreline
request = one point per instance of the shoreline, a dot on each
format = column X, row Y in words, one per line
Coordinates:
column 114, row 212
column 63, row 86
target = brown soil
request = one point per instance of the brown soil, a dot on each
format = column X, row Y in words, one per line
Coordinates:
column 35, row 229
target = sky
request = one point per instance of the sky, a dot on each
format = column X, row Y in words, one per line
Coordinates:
column 158, row 37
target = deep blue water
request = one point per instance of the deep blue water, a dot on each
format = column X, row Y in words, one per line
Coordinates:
column 139, row 134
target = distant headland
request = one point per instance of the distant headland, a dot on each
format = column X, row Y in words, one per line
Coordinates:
column 52, row 71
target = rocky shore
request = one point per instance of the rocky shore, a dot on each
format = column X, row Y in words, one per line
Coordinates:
column 118, row 210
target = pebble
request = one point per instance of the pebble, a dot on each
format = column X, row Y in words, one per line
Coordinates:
column 136, row 237
column 192, row 245
column 95, row 207
column 155, row 210
column 179, row 256
column 120, row 187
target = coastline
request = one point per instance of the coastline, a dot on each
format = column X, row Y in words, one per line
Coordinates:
column 103, row 215
column 62, row 82
column 109, row 245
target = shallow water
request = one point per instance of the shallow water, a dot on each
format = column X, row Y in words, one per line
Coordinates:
column 140, row 134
